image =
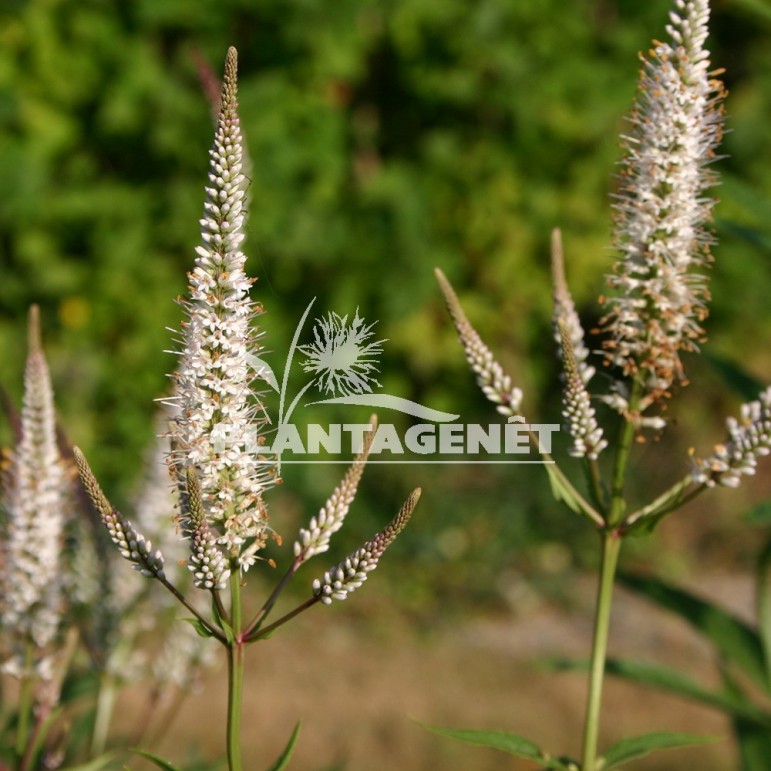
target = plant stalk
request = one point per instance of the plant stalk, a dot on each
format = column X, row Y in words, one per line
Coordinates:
column 25, row 707
column 611, row 545
column 236, row 650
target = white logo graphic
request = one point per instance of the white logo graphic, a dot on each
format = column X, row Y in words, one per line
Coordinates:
column 340, row 356
column 343, row 363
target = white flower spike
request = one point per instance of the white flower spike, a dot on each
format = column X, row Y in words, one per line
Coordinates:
column 220, row 420
column 661, row 209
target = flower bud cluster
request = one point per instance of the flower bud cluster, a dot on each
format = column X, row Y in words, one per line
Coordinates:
column 352, row 572
column 748, row 439
column 494, row 382
column 315, row 539
column 565, row 313
column 577, row 407
column 132, row 545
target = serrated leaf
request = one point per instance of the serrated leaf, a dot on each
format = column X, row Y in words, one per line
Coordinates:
column 504, row 741
column 735, row 640
column 160, row 762
column 200, row 628
column 637, row 747
column 283, row 759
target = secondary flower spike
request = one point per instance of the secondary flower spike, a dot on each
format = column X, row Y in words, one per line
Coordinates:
column 494, row 382
column 565, row 312
column 35, row 497
column 220, row 419
column 352, row 572
column 661, row 209
column 748, row 439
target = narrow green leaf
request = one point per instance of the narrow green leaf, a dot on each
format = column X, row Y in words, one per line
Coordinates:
column 94, row 765
column 734, row 639
column 754, row 745
column 672, row 681
column 500, row 740
column 222, row 623
column 629, row 749
column 160, row 762
column 733, row 702
column 754, row 741
column 200, row 628
column 563, row 491
column 283, row 759
column 764, row 607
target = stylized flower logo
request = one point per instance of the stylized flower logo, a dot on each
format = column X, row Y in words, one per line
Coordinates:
column 340, row 357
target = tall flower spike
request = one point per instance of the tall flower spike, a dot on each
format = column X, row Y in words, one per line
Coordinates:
column 315, row 540
column 494, row 382
column 352, row 572
column 36, row 495
column 661, row 209
column 132, row 544
column 748, row 439
column 220, row 418
column 577, row 407
column 565, row 311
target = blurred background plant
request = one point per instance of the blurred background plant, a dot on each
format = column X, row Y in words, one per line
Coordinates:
column 74, row 629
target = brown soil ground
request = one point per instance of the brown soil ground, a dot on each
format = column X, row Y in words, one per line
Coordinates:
column 358, row 686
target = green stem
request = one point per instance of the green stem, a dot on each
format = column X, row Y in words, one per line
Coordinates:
column 259, row 634
column 611, row 545
column 105, row 702
column 25, row 707
column 236, row 650
column 255, row 623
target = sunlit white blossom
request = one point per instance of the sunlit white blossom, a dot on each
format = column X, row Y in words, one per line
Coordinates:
column 220, row 419
column 660, row 283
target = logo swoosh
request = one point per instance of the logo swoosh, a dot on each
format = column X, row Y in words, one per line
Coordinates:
column 392, row 403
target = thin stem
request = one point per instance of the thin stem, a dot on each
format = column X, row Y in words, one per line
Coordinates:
column 105, row 702
column 271, row 601
column 626, row 434
column 260, row 633
column 586, row 509
column 25, row 705
column 611, row 545
column 595, row 483
column 181, row 597
column 672, row 499
column 235, row 674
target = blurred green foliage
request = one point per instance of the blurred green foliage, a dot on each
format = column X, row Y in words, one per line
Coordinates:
column 386, row 138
